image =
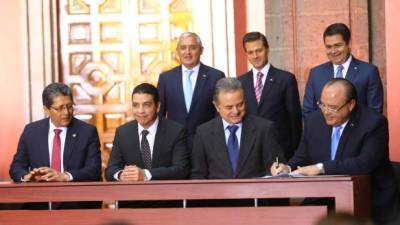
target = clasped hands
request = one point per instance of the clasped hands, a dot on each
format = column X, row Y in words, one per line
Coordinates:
column 45, row 174
column 132, row 173
column 280, row 168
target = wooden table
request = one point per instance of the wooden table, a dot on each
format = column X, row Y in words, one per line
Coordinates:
column 351, row 194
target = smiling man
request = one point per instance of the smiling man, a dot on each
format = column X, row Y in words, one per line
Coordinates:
column 59, row 148
column 349, row 139
column 364, row 76
column 186, row 90
column 148, row 148
column 272, row 93
column 234, row 145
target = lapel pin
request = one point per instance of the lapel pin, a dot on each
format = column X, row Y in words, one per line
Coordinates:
column 355, row 67
column 74, row 135
column 270, row 79
column 352, row 124
column 204, row 75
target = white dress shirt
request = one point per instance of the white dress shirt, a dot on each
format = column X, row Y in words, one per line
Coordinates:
column 264, row 71
column 345, row 65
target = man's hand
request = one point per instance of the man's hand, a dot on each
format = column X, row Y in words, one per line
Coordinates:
column 132, row 173
column 276, row 168
column 33, row 176
column 311, row 170
column 45, row 174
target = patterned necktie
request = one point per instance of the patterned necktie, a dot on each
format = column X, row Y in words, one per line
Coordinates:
column 56, row 152
column 335, row 140
column 145, row 150
column 339, row 72
column 233, row 146
column 188, row 90
column 259, row 86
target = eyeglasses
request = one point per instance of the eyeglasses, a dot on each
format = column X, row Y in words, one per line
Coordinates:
column 61, row 109
column 323, row 107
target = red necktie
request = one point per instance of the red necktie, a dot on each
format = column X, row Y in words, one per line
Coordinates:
column 259, row 86
column 56, row 153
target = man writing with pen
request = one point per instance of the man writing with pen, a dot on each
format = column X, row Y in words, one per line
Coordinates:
column 346, row 138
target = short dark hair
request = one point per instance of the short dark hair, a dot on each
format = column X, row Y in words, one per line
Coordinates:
column 146, row 88
column 338, row 28
column 226, row 84
column 54, row 90
column 351, row 91
column 254, row 36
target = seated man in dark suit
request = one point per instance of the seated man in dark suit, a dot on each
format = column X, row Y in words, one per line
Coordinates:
column 364, row 76
column 149, row 148
column 186, row 90
column 272, row 93
column 234, row 145
column 346, row 138
column 60, row 148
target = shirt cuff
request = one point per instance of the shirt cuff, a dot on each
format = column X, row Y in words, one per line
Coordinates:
column 116, row 175
column 70, row 177
column 320, row 167
column 148, row 175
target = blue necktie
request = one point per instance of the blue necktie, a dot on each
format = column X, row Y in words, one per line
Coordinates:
column 188, row 90
column 233, row 146
column 335, row 140
column 339, row 72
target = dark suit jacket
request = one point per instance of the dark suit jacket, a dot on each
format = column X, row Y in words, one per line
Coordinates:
column 279, row 103
column 170, row 155
column 173, row 102
column 81, row 156
column 81, row 151
column 364, row 76
column 258, row 150
column 362, row 150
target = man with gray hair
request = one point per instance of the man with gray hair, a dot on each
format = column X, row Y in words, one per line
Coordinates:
column 186, row 90
column 234, row 145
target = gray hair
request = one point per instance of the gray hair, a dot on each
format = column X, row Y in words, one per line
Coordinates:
column 54, row 90
column 190, row 34
column 228, row 84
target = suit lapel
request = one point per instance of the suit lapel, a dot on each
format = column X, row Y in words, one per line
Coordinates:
column 158, row 143
column 44, row 143
column 353, row 70
column 220, row 148
column 200, row 82
column 70, row 141
column 269, row 82
column 246, row 143
column 346, row 134
column 177, row 81
column 133, row 154
column 249, row 86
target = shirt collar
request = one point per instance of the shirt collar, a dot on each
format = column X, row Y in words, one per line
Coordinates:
column 264, row 70
column 345, row 64
column 52, row 127
column 226, row 124
column 152, row 129
column 195, row 69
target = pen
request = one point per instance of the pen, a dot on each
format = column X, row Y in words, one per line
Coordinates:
column 277, row 161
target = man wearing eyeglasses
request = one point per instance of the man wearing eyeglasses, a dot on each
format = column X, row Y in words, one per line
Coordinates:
column 346, row 138
column 59, row 148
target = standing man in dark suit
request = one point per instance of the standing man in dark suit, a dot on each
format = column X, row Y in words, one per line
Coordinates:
column 346, row 138
column 234, row 145
column 342, row 64
column 272, row 93
column 186, row 90
column 149, row 148
column 59, row 148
